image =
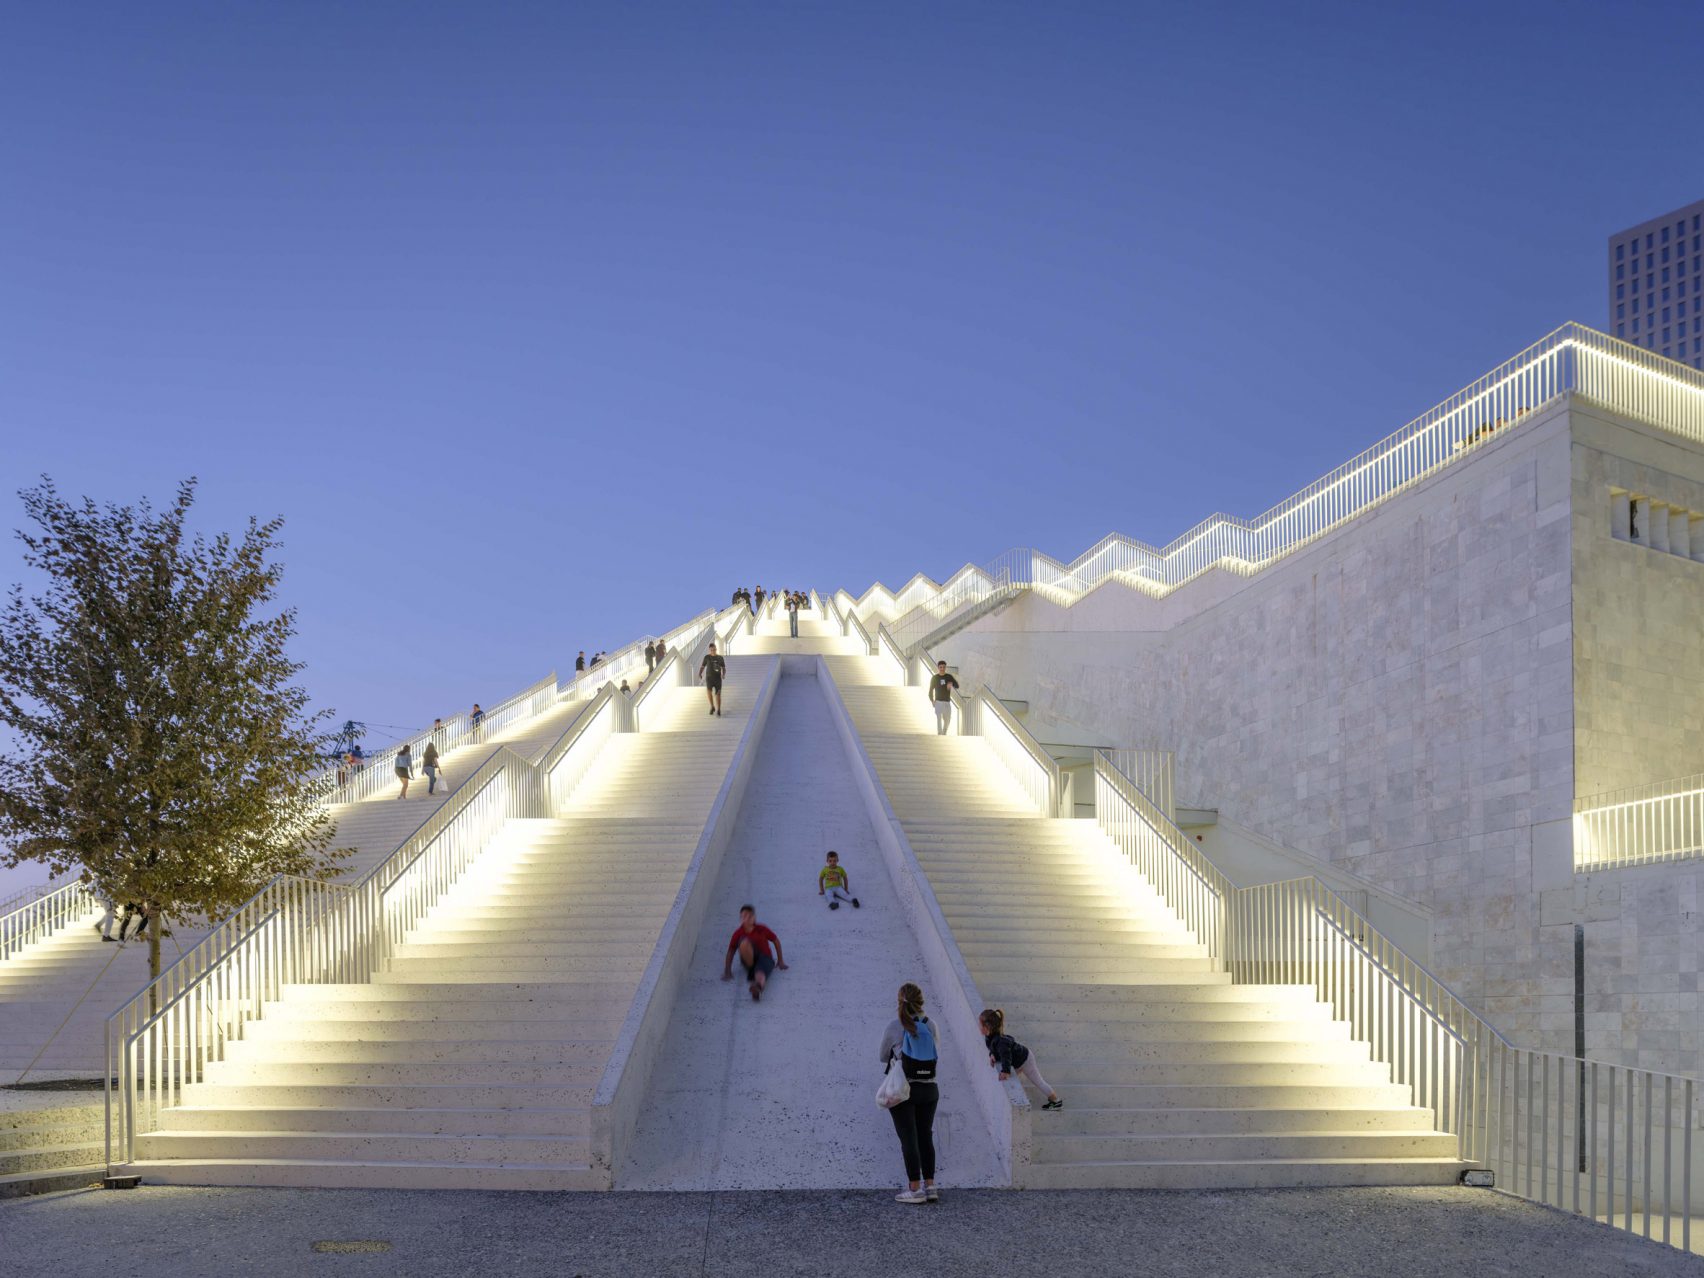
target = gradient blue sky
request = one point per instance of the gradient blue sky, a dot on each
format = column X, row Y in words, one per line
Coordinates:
column 545, row 325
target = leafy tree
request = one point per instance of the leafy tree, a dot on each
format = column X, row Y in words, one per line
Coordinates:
column 156, row 738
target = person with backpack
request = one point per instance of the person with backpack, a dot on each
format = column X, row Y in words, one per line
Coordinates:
column 909, row 1044
column 1010, row 1057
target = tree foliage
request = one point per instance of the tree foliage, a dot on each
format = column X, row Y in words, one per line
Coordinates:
column 156, row 736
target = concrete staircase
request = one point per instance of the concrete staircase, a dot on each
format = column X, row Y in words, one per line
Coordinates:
column 1173, row 1077
column 55, row 995
column 472, row 1060
column 51, row 1147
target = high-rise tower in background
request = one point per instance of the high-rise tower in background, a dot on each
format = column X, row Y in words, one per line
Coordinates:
column 1654, row 284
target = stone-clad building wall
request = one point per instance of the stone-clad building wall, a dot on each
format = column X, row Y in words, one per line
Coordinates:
column 1399, row 698
column 1639, row 717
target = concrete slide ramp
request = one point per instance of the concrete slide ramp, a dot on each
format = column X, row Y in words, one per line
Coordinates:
column 780, row 1094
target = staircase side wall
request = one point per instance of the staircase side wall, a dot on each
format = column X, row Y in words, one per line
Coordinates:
column 1396, row 699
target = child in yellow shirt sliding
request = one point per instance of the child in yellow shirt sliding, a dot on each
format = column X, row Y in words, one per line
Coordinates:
column 833, row 883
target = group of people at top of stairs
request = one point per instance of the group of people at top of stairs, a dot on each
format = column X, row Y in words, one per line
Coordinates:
column 791, row 600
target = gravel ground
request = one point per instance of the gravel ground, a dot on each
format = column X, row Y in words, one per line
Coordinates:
column 1381, row 1233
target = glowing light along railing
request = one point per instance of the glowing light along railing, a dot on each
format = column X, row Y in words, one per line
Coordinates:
column 310, row 931
column 44, row 914
column 1614, row 373
column 1568, row 1132
column 964, row 594
column 294, row 931
column 1030, row 765
column 379, row 773
column 35, row 891
column 1640, row 825
column 1153, row 772
column 629, row 662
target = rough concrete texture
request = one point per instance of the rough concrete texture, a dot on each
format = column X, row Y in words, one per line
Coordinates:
column 1380, row 1233
column 782, row 1092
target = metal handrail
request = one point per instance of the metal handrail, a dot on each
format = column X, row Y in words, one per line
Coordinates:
column 1538, row 1119
column 1617, row 374
column 23, row 896
column 43, row 914
column 377, row 771
column 1033, row 768
column 628, row 660
column 1639, row 825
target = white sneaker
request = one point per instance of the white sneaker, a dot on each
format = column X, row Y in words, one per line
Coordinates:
column 932, row 1193
column 911, row 1196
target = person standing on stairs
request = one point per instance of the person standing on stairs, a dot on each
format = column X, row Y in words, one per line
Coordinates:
column 662, row 651
column 1010, row 1057
column 476, row 720
column 941, row 689
column 711, row 670
column 650, row 657
column 909, row 1043
column 752, row 941
column 793, row 614
column 833, row 882
column 429, row 765
column 404, row 768
column 580, row 662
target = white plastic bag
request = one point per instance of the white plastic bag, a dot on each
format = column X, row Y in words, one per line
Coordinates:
column 895, row 1088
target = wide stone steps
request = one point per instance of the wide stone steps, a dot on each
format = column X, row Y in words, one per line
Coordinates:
column 279, row 1029
column 272, row 1073
column 1198, row 1121
column 1172, row 1075
column 1244, row 1146
column 306, row 1094
column 458, row 1150
column 417, row 1051
column 315, row 1173
column 1256, row 1173
column 1103, row 1073
column 1070, row 1035
column 470, row 1059
column 532, row 1121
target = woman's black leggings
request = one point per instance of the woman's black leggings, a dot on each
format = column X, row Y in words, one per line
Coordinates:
column 914, row 1120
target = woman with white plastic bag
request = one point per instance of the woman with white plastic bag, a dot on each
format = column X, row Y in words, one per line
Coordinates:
column 909, row 1093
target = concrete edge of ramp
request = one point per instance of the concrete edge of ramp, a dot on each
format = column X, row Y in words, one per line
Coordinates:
column 621, row 1091
column 952, row 988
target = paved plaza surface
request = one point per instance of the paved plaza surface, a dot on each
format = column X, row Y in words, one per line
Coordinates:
column 1342, row 1233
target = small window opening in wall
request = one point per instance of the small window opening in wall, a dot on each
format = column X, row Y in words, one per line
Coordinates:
column 1633, row 519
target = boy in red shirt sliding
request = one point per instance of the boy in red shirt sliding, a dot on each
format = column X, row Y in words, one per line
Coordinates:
column 753, row 942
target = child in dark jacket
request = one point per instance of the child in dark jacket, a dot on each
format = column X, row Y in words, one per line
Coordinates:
column 1010, row 1057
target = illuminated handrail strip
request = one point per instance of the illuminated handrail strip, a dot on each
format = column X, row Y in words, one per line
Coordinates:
column 1569, row 1132
column 379, row 770
column 1640, row 825
column 1617, row 374
column 305, row 930
column 1031, row 766
column 43, row 915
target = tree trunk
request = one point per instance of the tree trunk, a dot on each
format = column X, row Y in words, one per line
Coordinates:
column 155, row 923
